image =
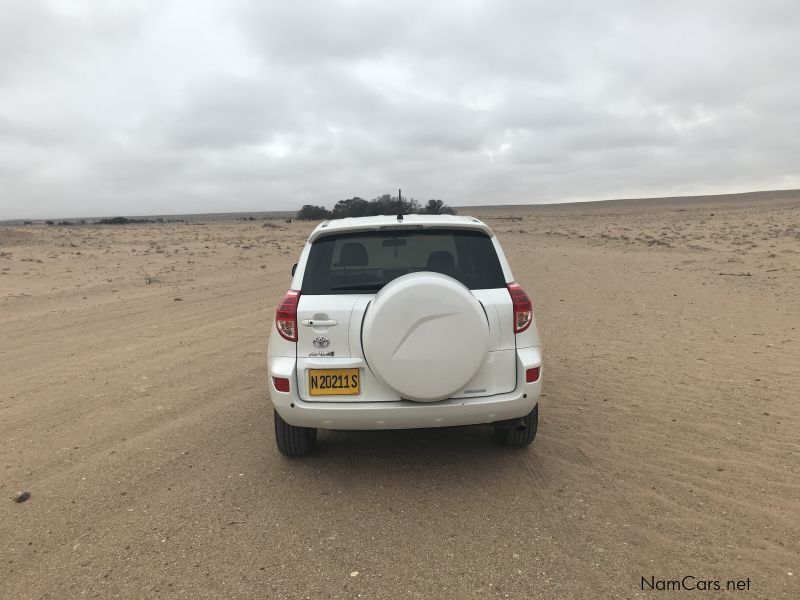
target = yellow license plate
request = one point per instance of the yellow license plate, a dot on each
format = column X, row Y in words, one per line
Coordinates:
column 334, row 382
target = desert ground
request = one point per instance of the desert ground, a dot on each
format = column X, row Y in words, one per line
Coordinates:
column 134, row 408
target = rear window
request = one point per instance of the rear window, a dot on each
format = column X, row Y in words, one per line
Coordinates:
column 353, row 263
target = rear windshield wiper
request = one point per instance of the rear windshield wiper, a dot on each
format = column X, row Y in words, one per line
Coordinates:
column 376, row 285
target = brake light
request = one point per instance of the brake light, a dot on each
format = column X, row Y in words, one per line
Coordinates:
column 286, row 316
column 523, row 307
column 532, row 375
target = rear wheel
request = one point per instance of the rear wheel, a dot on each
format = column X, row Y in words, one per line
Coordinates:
column 519, row 435
column 294, row 441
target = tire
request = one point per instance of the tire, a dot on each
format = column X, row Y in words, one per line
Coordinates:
column 512, row 437
column 294, row 441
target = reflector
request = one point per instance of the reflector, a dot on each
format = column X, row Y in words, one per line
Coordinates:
column 281, row 384
column 532, row 375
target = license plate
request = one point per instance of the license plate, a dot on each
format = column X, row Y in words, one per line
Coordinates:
column 334, row 382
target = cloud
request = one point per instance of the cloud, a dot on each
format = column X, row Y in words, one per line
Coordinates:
column 192, row 106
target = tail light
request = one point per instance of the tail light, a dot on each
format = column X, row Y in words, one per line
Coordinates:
column 286, row 316
column 523, row 307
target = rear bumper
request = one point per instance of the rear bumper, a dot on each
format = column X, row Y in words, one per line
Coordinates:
column 406, row 414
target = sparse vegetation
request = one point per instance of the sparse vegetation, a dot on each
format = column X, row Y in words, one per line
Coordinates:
column 310, row 212
column 126, row 221
column 437, row 207
column 382, row 205
column 129, row 221
column 148, row 278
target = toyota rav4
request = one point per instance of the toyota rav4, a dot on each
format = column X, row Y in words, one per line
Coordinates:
column 403, row 322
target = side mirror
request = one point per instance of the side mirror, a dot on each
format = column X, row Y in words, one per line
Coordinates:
column 294, row 268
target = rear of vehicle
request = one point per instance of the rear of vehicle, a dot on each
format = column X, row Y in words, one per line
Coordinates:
column 401, row 324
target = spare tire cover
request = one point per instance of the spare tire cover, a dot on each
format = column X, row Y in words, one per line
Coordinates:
column 425, row 336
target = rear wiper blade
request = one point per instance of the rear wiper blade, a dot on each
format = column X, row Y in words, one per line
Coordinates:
column 376, row 285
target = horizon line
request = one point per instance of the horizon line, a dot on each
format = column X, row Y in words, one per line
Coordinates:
column 288, row 212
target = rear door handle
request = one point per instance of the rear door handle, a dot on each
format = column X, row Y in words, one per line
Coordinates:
column 319, row 322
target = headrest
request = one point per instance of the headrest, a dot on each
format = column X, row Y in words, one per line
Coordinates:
column 441, row 261
column 353, row 255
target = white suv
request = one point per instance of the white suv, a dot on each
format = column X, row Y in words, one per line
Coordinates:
column 401, row 322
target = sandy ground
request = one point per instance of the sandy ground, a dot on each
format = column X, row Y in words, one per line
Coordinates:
column 138, row 417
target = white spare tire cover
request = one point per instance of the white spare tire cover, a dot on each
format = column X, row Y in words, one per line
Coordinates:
column 425, row 336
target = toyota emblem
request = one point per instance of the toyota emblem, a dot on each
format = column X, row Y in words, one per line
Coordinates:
column 321, row 342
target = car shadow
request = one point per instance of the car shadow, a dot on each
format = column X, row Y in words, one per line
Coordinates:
column 467, row 454
column 388, row 441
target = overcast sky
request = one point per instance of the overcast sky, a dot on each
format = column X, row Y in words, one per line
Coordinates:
column 121, row 108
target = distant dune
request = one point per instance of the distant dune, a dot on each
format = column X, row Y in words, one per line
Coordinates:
column 788, row 196
column 190, row 217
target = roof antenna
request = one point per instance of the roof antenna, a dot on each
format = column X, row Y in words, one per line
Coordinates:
column 400, row 203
